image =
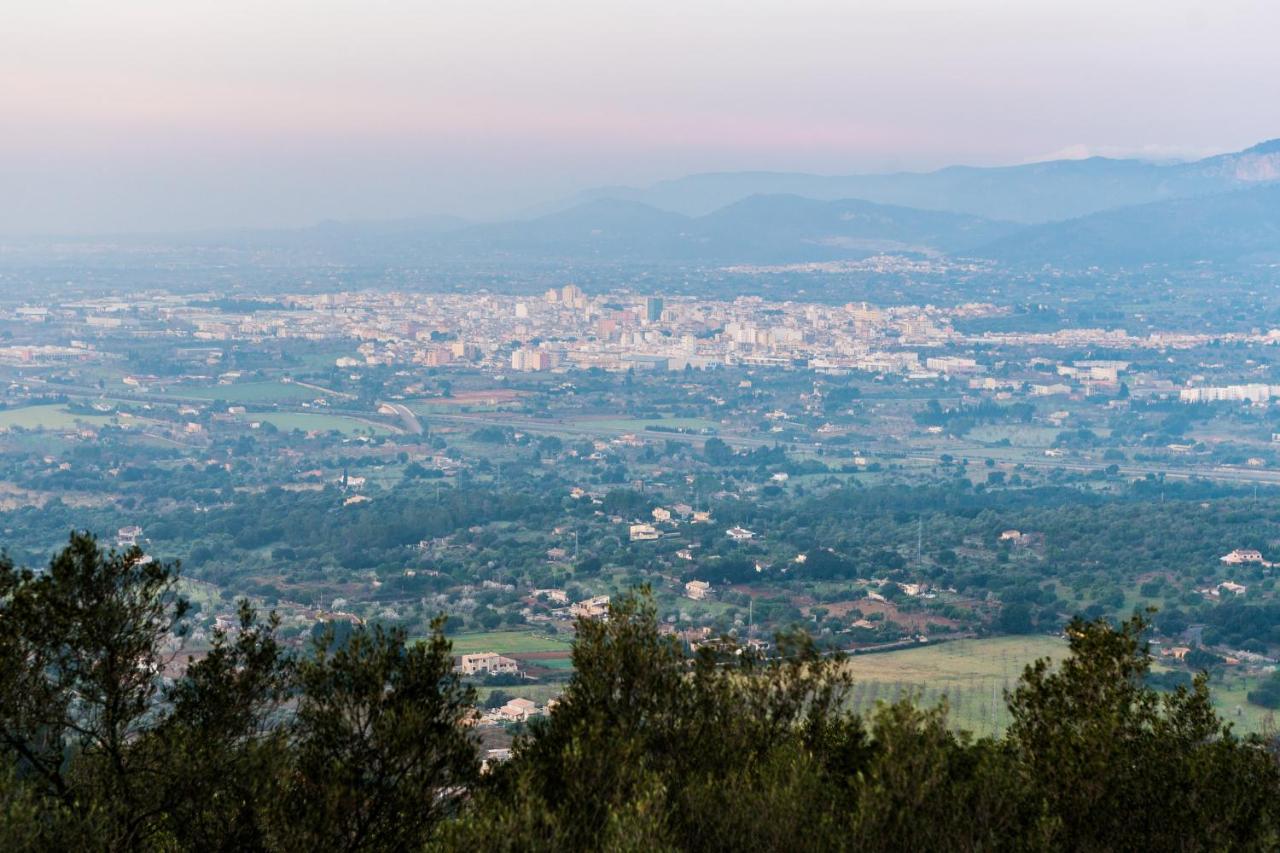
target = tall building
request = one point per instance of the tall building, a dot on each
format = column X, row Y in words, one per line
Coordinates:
column 653, row 309
column 572, row 296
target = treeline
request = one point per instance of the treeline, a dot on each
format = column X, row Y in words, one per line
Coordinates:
column 318, row 527
column 365, row 745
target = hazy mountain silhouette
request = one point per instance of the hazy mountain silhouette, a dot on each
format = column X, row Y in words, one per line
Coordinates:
column 1242, row 225
column 761, row 228
column 1030, row 193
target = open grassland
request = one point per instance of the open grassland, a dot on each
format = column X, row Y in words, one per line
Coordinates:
column 1019, row 435
column 508, row 642
column 539, row 693
column 1232, row 703
column 248, row 392
column 52, row 417
column 971, row 674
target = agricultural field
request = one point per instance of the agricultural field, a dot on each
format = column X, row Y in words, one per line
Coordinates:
column 1232, row 704
column 539, row 693
column 508, row 643
column 971, row 674
column 1019, row 435
column 51, row 417
column 248, row 392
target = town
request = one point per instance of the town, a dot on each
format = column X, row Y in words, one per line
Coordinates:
column 892, row 477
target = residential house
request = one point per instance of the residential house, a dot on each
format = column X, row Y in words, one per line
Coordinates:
column 1243, row 555
column 591, row 608
column 518, row 710
column 643, row 532
column 127, row 537
column 697, row 590
column 489, row 663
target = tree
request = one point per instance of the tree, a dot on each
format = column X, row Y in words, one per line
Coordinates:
column 1267, row 693
column 222, row 741
column 1116, row 765
column 80, row 647
column 95, row 752
column 650, row 749
column 378, row 751
column 1015, row 618
column 717, row 452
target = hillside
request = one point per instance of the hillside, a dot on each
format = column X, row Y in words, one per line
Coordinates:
column 1238, row 226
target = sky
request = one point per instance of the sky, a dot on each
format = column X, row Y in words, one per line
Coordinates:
column 192, row 114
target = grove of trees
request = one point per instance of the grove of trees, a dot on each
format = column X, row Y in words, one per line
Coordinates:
column 107, row 741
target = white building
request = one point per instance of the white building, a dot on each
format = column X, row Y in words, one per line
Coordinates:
column 591, row 608
column 518, row 710
column 489, row 663
column 697, row 590
column 127, row 537
column 643, row 532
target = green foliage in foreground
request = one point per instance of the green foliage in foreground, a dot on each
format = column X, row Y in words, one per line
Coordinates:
column 365, row 747
column 251, row 748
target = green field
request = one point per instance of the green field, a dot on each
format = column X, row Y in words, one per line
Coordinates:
column 639, row 424
column 54, row 417
column 1233, row 705
column 307, row 422
column 540, row 693
column 972, row 674
column 508, row 642
column 554, row 663
column 249, row 392
column 1019, row 435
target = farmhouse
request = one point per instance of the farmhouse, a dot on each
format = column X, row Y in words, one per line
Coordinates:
column 591, row 608
column 1244, row 555
column 489, row 663
column 697, row 590
column 518, row 710
column 127, row 537
column 643, row 532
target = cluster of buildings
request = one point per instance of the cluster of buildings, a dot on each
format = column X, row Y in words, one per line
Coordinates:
column 1256, row 393
column 565, row 328
column 568, row 329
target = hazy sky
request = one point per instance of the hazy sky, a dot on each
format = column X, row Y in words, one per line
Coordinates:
column 195, row 113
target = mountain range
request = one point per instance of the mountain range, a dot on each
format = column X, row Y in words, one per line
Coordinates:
column 757, row 229
column 1236, row 226
column 1096, row 211
column 1066, row 213
column 1030, row 193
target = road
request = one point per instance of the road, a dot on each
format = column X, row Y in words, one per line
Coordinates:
column 406, row 416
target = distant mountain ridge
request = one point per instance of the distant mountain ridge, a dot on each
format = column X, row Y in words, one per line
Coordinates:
column 1031, row 193
column 1235, row 226
column 1096, row 211
column 760, row 228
